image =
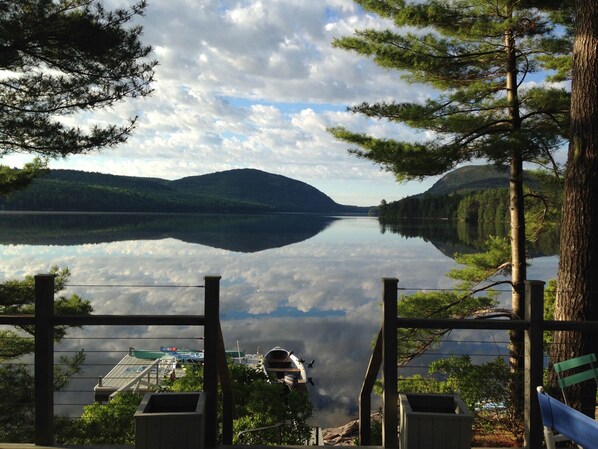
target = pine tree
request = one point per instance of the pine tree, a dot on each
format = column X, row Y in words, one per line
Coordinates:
column 477, row 55
column 17, row 396
column 59, row 58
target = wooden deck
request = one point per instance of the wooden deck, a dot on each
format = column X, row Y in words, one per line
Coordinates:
column 95, row 446
column 32, row 446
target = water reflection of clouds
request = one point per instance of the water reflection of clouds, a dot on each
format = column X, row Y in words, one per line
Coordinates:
column 319, row 297
column 309, row 275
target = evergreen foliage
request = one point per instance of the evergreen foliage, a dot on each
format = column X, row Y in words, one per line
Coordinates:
column 479, row 194
column 258, row 403
column 243, row 190
column 110, row 423
column 454, row 304
column 17, row 383
column 474, row 57
column 482, row 386
column 420, row 206
column 18, row 297
column 468, row 50
column 59, row 59
column 477, row 207
column 472, row 296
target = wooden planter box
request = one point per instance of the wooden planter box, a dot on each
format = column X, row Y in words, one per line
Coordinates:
column 170, row 421
column 434, row 421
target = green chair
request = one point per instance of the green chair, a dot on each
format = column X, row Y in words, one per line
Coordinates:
column 581, row 369
column 571, row 372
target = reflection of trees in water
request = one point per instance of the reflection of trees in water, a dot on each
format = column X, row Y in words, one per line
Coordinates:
column 244, row 233
column 465, row 237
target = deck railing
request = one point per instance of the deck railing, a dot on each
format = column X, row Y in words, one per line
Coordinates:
column 44, row 320
column 385, row 355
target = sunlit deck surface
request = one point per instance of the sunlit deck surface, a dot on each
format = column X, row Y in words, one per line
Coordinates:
column 32, row 446
column 132, row 373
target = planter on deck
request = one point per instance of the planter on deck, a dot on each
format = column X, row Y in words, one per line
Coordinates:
column 434, row 421
column 170, row 421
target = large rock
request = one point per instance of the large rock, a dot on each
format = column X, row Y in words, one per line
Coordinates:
column 346, row 435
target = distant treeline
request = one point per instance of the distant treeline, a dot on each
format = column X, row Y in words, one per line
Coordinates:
column 233, row 191
column 57, row 194
column 483, row 206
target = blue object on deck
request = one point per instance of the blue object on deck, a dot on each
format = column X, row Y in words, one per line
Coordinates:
column 567, row 421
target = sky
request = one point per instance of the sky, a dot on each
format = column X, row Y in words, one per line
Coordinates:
column 255, row 84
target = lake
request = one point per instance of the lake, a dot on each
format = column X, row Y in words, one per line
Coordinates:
column 311, row 284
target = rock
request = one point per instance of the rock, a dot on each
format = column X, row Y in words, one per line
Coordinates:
column 346, row 435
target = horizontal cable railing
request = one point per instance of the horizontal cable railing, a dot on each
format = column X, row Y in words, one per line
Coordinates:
column 45, row 320
column 533, row 325
column 385, row 356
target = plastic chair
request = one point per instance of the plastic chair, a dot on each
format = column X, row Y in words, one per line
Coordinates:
column 568, row 422
column 566, row 380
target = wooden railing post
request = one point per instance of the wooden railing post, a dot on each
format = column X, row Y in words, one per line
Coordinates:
column 365, row 396
column 534, row 350
column 390, row 359
column 212, row 317
column 44, row 360
column 227, row 392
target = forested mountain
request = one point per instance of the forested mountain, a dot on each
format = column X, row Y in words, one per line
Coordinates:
column 242, row 190
column 471, row 178
column 477, row 193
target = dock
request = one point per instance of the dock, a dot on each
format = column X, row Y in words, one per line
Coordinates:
column 133, row 374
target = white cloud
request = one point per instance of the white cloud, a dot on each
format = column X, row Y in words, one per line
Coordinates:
column 252, row 83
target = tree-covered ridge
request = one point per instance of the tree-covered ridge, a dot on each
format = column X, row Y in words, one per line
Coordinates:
column 474, row 193
column 475, row 207
column 243, row 190
column 477, row 194
column 471, row 178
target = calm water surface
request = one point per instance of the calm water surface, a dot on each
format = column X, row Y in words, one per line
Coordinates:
column 311, row 284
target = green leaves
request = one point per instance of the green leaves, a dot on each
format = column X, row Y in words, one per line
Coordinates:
column 16, row 403
column 18, row 297
column 16, row 385
column 259, row 403
column 13, row 345
column 110, row 423
column 461, row 48
column 12, row 179
column 456, row 304
column 406, row 160
column 64, row 58
column 477, row 384
column 468, row 298
column 481, row 266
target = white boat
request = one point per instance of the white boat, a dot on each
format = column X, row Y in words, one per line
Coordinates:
column 285, row 367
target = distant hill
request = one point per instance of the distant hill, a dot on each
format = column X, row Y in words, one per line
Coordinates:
column 475, row 193
column 470, row 178
column 236, row 191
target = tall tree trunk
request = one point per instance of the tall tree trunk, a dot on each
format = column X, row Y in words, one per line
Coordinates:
column 516, row 207
column 577, row 297
column 518, row 267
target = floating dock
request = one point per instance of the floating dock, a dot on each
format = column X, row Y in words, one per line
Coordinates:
column 133, row 374
column 141, row 371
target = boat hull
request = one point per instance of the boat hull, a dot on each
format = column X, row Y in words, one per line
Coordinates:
column 285, row 367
